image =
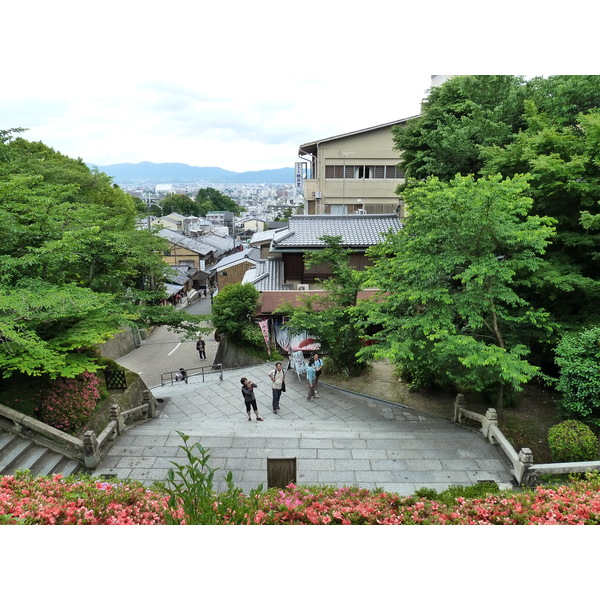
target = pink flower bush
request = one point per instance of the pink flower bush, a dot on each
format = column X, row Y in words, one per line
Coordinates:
column 61, row 501
column 69, row 403
column 65, row 501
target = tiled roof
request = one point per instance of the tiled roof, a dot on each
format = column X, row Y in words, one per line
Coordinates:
column 267, row 275
column 357, row 231
column 193, row 244
column 251, row 254
column 219, row 243
column 265, row 236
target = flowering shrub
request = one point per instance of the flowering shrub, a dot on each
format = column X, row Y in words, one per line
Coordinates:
column 56, row 500
column 69, row 403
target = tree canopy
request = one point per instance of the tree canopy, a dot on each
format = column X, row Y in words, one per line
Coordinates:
column 74, row 270
column 448, row 309
column 547, row 128
column 234, row 308
column 209, row 200
column 179, row 203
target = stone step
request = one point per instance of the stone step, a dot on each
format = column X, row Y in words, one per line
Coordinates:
column 13, row 451
column 18, row 453
column 297, row 428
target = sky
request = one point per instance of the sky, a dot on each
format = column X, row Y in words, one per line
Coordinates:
column 241, row 85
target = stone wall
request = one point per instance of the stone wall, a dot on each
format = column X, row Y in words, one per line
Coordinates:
column 234, row 357
column 123, row 343
column 126, row 399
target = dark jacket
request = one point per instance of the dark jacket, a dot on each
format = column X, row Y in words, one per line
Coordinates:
column 248, row 393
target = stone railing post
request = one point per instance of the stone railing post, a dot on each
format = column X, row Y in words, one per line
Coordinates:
column 150, row 401
column 491, row 418
column 91, row 451
column 459, row 402
column 525, row 463
column 116, row 415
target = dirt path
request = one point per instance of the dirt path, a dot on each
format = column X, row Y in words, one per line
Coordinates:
column 382, row 382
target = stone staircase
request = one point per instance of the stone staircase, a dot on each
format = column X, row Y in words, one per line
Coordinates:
column 20, row 453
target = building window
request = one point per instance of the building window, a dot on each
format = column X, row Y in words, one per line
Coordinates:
column 363, row 172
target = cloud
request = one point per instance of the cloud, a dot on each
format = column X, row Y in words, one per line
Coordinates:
column 239, row 85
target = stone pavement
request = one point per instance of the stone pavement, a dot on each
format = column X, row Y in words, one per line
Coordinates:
column 339, row 439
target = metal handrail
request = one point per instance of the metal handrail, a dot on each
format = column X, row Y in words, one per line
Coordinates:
column 169, row 376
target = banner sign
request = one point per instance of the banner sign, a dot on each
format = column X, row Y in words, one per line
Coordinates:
column 264, row 326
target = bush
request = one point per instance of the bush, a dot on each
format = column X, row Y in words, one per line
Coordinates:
column 572, row 441
column 69, row 403
column 578, row 358
column 233, row 310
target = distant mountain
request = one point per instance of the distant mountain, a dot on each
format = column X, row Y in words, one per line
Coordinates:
column 154, row 173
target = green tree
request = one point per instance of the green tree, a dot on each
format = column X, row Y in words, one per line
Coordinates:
column 74, row 270
column 329, row 317
column 458, row 118
column 179, row 203
column 209, row 200
column 578, row 359
column 234, row 308
column 448, row 308
column 564, row 166
column 545, row 127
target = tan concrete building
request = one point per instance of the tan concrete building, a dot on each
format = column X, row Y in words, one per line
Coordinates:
column 353, row 173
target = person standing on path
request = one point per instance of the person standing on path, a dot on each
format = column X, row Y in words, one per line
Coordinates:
column 277, row 377
column 201, row 347
column 311, row 377
column 249, row 398
column 318, row 364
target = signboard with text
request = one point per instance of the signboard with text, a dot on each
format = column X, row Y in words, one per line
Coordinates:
column 300, row 175
column 298, row 362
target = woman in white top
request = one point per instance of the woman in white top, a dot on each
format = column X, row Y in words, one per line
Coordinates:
column 277, row 377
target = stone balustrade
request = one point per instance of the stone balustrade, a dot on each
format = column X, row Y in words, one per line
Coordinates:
column 525, row 471
column 92, row 448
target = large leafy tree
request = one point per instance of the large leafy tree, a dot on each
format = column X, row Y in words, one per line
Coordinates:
column 448, row 309
column 564, row 166
column 329, row 317
column 234, row 309
column 209, row 200
column 73, row 268
column 179, row 203
column 458, row 119
column 545, row 127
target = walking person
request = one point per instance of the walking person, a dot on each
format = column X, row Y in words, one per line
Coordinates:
column 318, row 364
column 249, row 398
column 311, row 377
column 277, row 377
column 201, row 347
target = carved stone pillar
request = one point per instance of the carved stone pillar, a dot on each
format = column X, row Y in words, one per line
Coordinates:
column 150, row 401
column 91, row 451
column 117, row 415
column 459, row 402
column 491, row 418
column 524, row 477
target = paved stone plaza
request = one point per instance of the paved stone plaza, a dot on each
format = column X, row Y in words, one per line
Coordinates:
column 340, row 438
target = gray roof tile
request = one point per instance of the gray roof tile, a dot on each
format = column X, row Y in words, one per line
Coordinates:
column 358, row 231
